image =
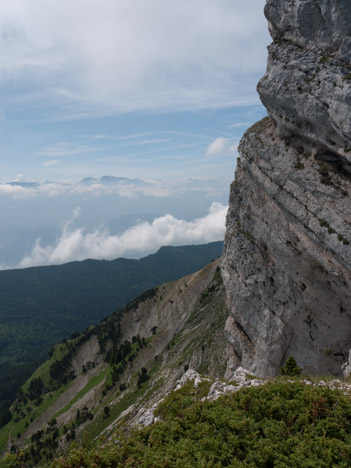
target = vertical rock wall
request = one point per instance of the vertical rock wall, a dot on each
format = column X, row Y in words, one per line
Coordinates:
column 287, row 255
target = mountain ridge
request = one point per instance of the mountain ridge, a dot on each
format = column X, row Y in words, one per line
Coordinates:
column 42, row 305
column 127, row 363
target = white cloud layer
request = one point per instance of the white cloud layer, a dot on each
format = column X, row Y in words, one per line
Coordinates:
column 128, row 189
column 119, row 56
column 77, row 244
column 220, row 146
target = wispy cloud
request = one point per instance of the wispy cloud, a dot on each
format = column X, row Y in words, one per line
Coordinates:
column 53, row 162
column 103, row 136
column 65, row 149
column 122, row 56
column 78, row 244
column 154, row 188
column 18, row 191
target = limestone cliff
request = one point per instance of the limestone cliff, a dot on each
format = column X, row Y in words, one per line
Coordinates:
column 287, row 254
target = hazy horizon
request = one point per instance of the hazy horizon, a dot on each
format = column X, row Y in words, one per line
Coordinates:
column 54, row 223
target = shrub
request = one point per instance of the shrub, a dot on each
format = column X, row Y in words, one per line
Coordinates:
column 277, row 424
column 291, row 369
column 106, row 412
column 143, row 377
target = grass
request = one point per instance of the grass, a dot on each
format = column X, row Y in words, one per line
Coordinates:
column 13, row 428
column 97, row 426
column 93, row 382
column 99, row 423
column 44, row 370
column 152, row 388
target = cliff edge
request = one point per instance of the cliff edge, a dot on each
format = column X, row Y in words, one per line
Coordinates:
column 287, row 254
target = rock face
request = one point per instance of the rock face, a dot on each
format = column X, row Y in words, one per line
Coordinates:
column 307, row 87
column 287, row 254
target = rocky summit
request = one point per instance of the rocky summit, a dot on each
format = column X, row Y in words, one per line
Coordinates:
column 287, row 255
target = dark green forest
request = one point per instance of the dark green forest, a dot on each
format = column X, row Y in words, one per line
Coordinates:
column 40, row 306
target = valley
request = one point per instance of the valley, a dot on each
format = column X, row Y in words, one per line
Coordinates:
column 43, row 305
column 118, row 370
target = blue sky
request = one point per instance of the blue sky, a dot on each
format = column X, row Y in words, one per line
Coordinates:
column 135, row 89
column 154, row 90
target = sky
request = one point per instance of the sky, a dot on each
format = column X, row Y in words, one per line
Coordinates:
column 159, row 91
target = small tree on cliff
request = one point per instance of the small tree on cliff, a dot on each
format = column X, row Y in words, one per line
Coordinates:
column 291, row 368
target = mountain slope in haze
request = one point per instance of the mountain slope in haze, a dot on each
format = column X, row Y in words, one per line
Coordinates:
column 42, row 305
column 120, row 368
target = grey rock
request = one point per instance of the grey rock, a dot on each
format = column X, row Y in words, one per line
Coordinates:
column 218, row 389
column 315, row 24
column 241, row 378
column 287, row 254
column 346, row 367
column 287, row 258
column 146, row 416
column 307, row 86
column 192, row 375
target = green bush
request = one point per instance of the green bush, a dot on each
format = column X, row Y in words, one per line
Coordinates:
column 285, row 424
column 291, row 368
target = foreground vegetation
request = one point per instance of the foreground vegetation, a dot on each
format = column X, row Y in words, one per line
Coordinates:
column 282, row 423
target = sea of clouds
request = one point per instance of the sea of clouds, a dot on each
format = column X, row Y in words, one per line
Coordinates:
column 53, row 223
column 79, row 244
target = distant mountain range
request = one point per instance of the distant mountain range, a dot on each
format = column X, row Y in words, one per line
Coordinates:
column 42, row 305
column 24, row 184
column 87, row 181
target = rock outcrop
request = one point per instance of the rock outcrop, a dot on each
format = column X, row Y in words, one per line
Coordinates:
column 287, row 254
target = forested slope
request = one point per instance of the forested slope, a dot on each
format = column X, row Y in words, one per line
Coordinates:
column 40, row 306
